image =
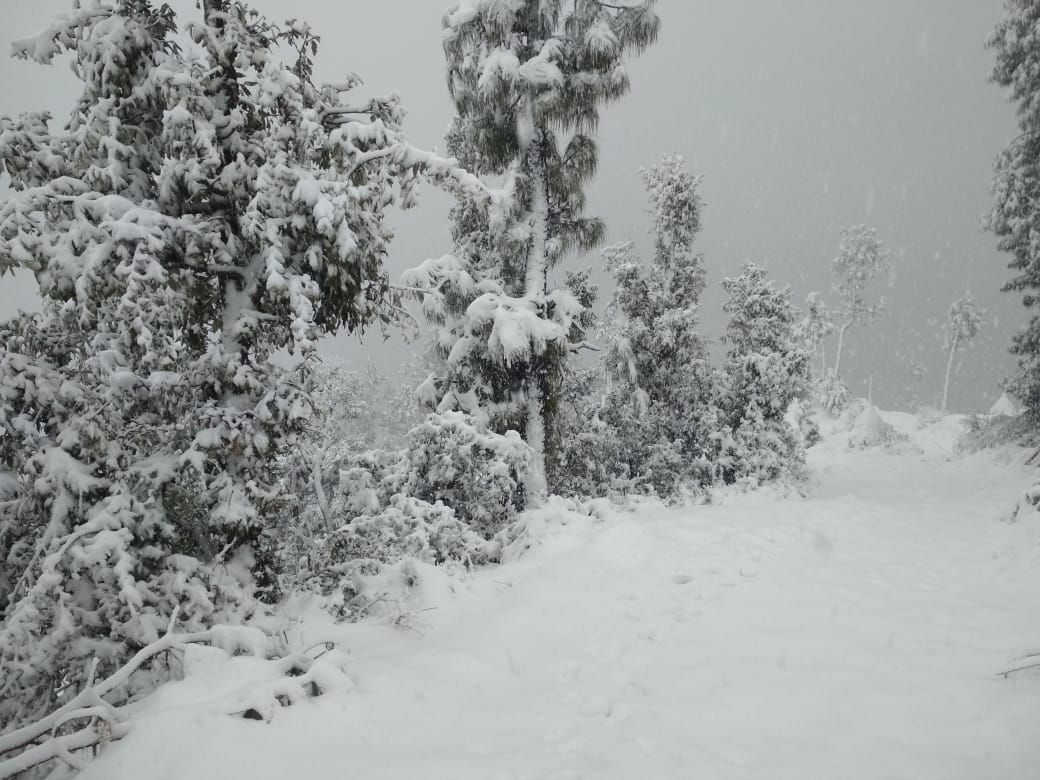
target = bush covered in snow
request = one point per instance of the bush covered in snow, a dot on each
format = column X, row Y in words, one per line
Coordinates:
column 831, row 394
column 480, row 474
column 444, row 497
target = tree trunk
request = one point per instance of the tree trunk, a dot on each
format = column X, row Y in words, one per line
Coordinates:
column 841, row 344
column 319, row 493
column 949, row 365
column 534, row 288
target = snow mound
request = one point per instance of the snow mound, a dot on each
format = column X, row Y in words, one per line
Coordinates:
column 1006, row 406
column 870, row 430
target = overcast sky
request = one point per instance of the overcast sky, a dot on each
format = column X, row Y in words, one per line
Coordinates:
column 802, row 115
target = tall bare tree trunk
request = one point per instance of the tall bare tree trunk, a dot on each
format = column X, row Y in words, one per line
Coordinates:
column 949, row 366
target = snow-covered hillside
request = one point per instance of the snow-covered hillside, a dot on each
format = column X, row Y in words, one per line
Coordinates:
column 857, row 632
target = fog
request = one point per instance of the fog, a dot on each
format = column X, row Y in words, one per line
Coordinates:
column 802, row 115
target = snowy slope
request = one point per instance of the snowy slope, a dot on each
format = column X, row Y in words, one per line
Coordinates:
column 854, row 633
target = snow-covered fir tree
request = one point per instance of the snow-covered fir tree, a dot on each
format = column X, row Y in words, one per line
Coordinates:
column 203, row 207
column 861, row 259
column 766, row 369
column 1015, row 216
column 528, row 79
column 660, row 406
column 962, row 325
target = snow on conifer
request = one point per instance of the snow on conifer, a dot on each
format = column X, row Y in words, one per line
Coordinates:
column 202, row 208
column 660, row 405
column 528, row 79
column 1015, row 215
column 766, row 370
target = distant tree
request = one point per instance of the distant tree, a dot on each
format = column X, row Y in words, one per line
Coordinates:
column 528, row 79
column 918, row 370
column 1015, row 216
column 814, row 327
column 660, row 404
column 766, row 369
column 861, row 258
column 962, row 325
column 205, row 206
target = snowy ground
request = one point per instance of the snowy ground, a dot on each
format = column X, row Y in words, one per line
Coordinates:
column 855, row 633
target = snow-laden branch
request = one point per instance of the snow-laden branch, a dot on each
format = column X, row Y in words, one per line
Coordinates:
column 39, row 741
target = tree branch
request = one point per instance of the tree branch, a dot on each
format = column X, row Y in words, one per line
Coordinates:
column 107, row 723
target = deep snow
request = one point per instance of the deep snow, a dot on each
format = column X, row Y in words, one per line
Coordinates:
column 853, row 633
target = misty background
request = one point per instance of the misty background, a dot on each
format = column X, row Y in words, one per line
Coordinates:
column 803, row 116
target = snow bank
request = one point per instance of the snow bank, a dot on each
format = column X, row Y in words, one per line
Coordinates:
column 855, row 633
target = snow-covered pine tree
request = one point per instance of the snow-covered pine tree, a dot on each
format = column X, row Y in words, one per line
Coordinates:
column 861, row 258
column 661, row 401
column 528, row 79
column 1015, row 216
column 962, row 325
column 767, row 367
column 199, row 210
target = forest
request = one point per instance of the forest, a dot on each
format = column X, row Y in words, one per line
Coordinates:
column 572, row 521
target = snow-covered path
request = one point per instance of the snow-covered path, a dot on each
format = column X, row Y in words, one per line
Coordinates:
column 852, row 634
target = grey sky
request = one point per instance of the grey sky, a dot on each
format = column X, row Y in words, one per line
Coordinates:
column 802, row 115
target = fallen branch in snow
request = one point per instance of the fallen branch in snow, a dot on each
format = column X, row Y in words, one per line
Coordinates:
column 1024, row 667
column 1007, row 673
column 39, row 742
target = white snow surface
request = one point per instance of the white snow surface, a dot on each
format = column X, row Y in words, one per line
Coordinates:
column 856, row 632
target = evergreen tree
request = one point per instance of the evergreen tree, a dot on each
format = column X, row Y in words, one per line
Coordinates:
column 767, row 368
column 199, row 211
column 962, row 326
column 528, row 79
column 660, row 405
column 861, row 258
column 1015, row 216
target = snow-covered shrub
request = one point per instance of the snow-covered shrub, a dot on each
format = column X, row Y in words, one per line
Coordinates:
column 480, row 474
column 799, row 417
column 831, row 394
column 758, row 450
column 406, row 527
column 357, row 416
column 593, row 461
column 380, row 532
column 766, row 370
